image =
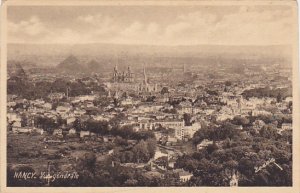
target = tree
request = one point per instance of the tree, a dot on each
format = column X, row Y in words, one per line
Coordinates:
column 268, row 132
column 228, row 83
column 211, row 148
column 279, row 97
column 187, row 119
column 141, row 152
column 77, row 125
column 238, row 120
column 24, row 121
column 131, row 182
column 88, row 161
column 61, row 121
column 151, row 146
column 164, row 90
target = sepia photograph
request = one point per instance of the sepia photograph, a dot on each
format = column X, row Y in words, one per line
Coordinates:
column 150, row 95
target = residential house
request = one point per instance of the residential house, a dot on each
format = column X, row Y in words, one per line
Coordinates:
column 184, row 176
column 72, row 131
column 22, row 129
column 204, row 143
column 58, row 132
column 84, row 134
column 187, row 131
column 286, row 126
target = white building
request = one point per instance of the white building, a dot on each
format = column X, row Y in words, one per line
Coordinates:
column 204, row 143
column 186, row 131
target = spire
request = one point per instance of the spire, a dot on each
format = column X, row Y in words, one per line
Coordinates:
column 145, row 76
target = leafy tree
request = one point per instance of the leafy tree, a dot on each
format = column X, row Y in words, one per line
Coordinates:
column 187, row 119
column 279, row 97
column 238, row 120
column 141, row 152
column 228, row 83
column 164, row 90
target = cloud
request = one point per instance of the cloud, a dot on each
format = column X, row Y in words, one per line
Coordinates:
column 133, row 29
column 86, row 19
column 32, row 27
column 152, row 28
column 256, row 27
column 247, row 25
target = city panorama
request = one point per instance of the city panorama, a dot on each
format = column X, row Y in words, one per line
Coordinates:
column 134, row 96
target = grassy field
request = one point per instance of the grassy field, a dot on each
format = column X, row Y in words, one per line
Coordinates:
column 31, row 150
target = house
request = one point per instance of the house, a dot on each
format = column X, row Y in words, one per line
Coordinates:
column 260, row 112
column 187, row 131
column 13, row 117
column 286, row 126
column 72, row 131
column 289, row 99
column 79, row 112
column 38, row 130
column 258, row 124
column 22, row 129
column 86, row 98
column 89, row 104
column 185, row 107
column 110, row 152
column 56, row 96
column 47, row 106
column 70, row 120
column 11, row 104
column 146, row 125
column 159, row 153
column 127, row 101
column 184, row 176
column 204, row 143
column 84, row 133
column 171, row 162
column 169, row 123
column 63, row 109
column 17, row 124
column 100, row 117
column 171, row 139
column 239, row 127
column 157, row 135
column 58, row 132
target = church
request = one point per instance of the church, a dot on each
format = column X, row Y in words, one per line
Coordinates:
column 145, row 86
column 125, row 77
column 125, row 81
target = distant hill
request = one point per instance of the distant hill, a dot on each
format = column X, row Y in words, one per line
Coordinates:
column 15, row 69
column 107, row 54
column 124, row 49
column 93, row 65
column 24, row 63
column 71, row 64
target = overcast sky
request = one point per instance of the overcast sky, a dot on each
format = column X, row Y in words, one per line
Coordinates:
column 159, row 25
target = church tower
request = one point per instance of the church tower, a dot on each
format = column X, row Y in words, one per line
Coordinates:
column 115, row 75
column 145, row 76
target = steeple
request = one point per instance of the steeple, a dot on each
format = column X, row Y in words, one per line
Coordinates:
column 145, row 76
